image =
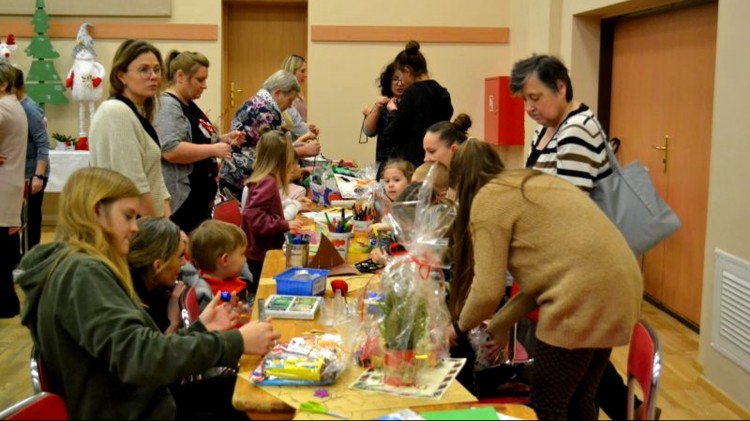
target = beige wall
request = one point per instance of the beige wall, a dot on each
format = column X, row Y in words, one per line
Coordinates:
column 342, row 76
column 64, row 118
column 728, row 200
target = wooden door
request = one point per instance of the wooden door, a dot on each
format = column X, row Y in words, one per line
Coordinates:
column 257, row 38
column 662, row 86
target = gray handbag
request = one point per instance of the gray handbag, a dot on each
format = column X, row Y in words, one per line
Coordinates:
column 629, row 199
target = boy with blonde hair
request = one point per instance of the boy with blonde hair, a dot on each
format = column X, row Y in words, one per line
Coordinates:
column 217, row 249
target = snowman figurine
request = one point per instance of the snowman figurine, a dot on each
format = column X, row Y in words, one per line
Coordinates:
column 85, row 81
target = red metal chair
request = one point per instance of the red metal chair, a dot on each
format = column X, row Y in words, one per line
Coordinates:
column 519, row 359
column 189, row 307
column 41, row 406
column 644, row 369
column 228, row 210
column 38, row 372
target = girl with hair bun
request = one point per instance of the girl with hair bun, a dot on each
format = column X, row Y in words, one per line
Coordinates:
column 424, row 103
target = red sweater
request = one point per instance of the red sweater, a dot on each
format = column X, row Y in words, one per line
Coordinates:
column 263, row 219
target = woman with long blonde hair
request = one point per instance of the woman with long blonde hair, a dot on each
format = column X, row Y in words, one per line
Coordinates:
column 87, row 321
column 568, row 259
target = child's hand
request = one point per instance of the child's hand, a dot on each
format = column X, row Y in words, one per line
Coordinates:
column 217, row 317
column 295, row 225
column 305, row 203
column 258, row 337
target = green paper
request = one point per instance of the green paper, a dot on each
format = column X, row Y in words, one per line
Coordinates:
column 481, row 413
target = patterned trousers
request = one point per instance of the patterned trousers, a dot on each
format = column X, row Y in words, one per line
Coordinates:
column 565, row 381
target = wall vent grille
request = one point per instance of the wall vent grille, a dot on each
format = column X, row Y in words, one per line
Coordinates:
column 731, row 322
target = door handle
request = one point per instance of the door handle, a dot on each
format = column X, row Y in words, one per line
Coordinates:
column 665, row 150
column 232, row 91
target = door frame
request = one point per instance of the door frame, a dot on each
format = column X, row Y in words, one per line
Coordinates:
column 604, row 97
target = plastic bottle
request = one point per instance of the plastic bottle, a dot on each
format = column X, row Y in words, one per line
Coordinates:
column 338, row 306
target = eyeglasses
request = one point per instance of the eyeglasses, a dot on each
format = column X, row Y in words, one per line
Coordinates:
column 146, row 71
column 396, row 81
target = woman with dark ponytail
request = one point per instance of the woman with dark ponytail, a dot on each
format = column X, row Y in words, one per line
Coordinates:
column 424, row 103
column 443, row 139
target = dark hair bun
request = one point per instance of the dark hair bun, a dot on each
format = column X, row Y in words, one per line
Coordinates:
column 462, row 122
column 412, row 47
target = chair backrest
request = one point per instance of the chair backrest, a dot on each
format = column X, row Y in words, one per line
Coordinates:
column 41, row 406
column 644, row 368
column 228, row 211
column 189, row 307
column 39, row 381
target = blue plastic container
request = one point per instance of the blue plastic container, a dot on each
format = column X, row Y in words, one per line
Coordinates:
column 301, row 281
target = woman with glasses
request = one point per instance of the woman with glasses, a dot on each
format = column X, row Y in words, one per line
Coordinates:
column 189, row 142
column 377, row 117
column 121, row 135
column 424, row 103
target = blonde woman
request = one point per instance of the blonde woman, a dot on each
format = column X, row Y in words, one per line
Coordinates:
column 88, row 322
column 296, row 65
column 121, row 136
column 190, row 143
column 262, row 214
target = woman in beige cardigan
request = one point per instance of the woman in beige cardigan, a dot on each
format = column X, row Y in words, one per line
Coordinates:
column 568, row 259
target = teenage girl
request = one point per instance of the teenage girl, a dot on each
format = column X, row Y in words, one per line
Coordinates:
column 263, row 215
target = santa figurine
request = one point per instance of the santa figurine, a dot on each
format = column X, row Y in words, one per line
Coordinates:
column 7, row 47
column 85, row 81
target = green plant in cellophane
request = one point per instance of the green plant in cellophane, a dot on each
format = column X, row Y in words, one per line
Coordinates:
column 414, row 315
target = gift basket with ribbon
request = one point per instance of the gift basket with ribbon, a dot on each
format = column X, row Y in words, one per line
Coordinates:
column 409, row 308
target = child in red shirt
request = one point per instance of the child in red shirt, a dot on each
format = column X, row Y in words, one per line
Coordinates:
column 217, row 249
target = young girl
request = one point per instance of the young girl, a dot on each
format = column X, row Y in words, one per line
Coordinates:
column 263, row 215
column 396, row 176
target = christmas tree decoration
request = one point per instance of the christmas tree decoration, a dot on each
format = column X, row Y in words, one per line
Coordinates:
column 43, row 83
column 85, row 81
column 7, row 47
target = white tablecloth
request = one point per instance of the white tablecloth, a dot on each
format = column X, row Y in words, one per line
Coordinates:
column 62, row 164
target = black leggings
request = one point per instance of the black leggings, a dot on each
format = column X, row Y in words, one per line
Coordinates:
column 565, row 381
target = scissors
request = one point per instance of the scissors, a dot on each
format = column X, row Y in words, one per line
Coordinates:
column 320, row 408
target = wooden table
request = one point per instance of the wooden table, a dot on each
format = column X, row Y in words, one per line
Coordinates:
column 268, row 402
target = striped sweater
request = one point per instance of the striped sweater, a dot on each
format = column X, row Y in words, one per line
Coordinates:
column 576, row 152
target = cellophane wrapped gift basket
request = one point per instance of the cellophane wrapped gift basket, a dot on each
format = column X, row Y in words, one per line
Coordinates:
column 407, row 311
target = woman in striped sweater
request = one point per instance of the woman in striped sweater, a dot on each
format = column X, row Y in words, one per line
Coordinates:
column 569, row 144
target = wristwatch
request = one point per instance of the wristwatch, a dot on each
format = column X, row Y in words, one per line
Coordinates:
column 39, row 176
